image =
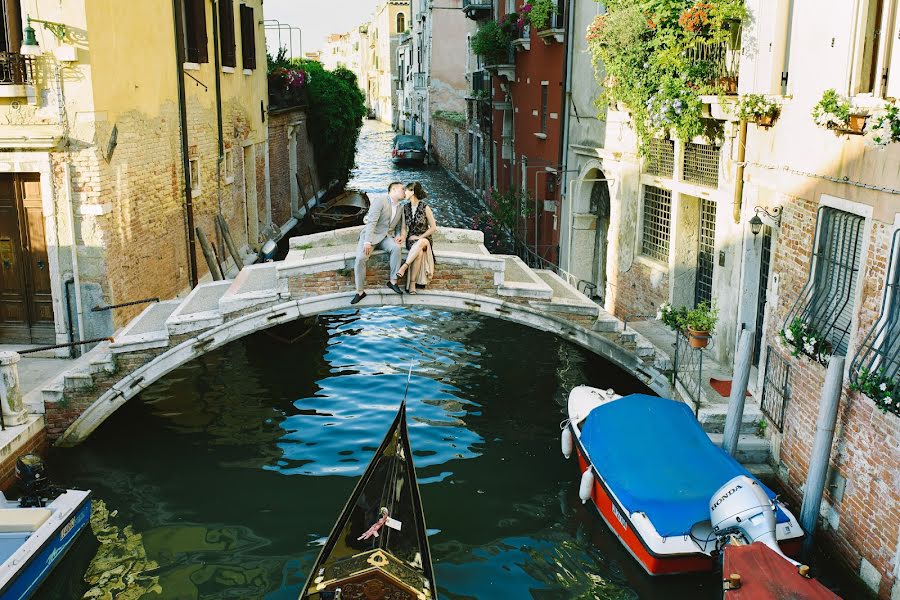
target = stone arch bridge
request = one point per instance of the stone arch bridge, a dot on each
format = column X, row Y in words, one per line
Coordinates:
column 317, row 277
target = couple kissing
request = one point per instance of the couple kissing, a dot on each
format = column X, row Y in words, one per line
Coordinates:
column 403, row 218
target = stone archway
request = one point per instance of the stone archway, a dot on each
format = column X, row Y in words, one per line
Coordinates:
column 589, row 239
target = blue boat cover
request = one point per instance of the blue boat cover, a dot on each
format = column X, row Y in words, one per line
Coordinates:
column 655, row 457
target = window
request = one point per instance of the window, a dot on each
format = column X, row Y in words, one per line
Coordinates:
column 544, row 93
column 827, row 301
column 226, row 33
column 660, row 158
column 195, row 177
column 194, row 26
column 701, row 164
column 656, row 218
column 11, row 30
column 248, row 37
column 879, row 353
column 228, row 166
column 878, row 26
column 706, row 252
column 401, row 22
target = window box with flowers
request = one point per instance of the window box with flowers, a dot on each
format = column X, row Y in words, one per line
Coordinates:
column 758, row 108
column 835, row 112
column 801, row 338
column 287, row 88
column 884, row 127
column 883, row 390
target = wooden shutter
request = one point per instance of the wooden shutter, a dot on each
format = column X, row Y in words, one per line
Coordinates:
column 12, row 25
column 196, row 39
column 248, row 37
column 226, row 33
column 892, row 58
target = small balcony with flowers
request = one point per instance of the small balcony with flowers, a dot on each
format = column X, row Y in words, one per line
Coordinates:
column 287, row 85
column 494, row 41
column 675, row 71
column 547, row 18
column 477, row 9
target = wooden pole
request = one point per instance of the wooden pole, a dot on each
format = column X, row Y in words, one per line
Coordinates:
column 219, row 263
column 210, row 257
column 229, row 241
column 735, row 415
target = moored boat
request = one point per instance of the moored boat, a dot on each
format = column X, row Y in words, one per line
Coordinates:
column 37, row 530
column 345, row 209
column 756, row 572
column 666, row 491
column 378, row 547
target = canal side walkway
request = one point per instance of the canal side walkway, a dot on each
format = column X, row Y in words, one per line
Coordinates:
column 315, row 277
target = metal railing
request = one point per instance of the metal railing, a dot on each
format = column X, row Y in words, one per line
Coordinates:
column 468, row 5
column 879, row 352
column 420, row 81
column 480, row 84
column 16, row 69
column 776, row 388
column 688, row 368
column 716, row 64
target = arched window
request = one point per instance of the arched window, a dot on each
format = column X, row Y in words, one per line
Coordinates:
column 401, row 22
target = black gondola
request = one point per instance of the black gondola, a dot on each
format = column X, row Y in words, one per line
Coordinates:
column 378, row 548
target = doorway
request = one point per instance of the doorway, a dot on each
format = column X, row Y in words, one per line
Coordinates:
column 26, row 302
column 765, row 261
column 599, row 207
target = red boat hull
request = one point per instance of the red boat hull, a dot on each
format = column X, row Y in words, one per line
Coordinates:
column 616, row 518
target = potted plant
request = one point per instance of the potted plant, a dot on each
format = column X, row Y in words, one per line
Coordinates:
column 537, row 13
column 492, row 40
column 674, row 318
column 701, row 322
column 885, row 127
column 835, row 112
column 757, row 108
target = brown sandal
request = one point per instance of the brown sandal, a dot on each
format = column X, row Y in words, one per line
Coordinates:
column 404, row 267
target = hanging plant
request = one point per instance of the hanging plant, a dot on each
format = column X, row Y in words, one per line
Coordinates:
column 757, row 107
column 652, row 58
column 883, row 390
column 492, row 40
column 835, row 112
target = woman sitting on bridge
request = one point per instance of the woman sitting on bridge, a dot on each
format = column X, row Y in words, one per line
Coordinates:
column 418, row 227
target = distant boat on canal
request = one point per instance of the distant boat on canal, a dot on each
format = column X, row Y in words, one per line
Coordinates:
column 378, row 547
column 669, row 494
column 346, row 209
column 37, row 530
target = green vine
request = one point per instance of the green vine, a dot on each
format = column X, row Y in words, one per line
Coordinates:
column 537, row 13
column 650, row 57
column 882, row 389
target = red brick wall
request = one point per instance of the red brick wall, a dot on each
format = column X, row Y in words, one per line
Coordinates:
column 866, row 449
column 36, row 445
column 637, row 291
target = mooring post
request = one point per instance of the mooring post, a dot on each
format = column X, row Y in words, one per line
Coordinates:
column 821, row 450
column 735, row 415
column 14, row 412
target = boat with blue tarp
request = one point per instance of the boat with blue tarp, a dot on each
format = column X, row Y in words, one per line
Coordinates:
column 657, row 480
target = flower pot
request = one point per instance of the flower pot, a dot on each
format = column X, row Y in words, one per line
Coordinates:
column 765, row 120
column 728, row 84
column 857, row 123
column 698, row 339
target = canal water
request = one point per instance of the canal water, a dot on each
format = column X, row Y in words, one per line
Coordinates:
column 223, row 479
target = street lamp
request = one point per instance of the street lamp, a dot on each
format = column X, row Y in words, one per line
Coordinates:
column 30, row 45
column 756, row 223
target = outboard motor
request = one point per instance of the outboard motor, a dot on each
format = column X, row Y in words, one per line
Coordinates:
column 32, row 477
column 267, row 252
column 742, row 505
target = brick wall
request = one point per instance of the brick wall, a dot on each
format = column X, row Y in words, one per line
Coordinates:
column 638, row 291
column 443, row 140
column 280, row 173
column 863, row 521
column 36, row 445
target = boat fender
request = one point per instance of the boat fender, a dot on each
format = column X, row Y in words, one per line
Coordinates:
column 566, row 440
column 587, row 485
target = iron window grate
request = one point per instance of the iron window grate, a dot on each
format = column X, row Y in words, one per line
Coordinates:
column 660, row 159
column 879, row 352
column 701, row 164
column 706, row 252
column 776, row 388
column 657, row 216
column 827, row 301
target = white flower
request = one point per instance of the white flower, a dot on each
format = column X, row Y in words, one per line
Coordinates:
column 789, row 335
column 888, row 400
column 808, row 348
column 883, row 387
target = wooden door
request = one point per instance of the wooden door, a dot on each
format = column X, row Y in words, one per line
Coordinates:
column 26, row 301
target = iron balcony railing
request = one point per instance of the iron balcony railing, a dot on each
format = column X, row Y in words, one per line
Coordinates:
column 473, row 7
column 16, row 69
column 716, row 64
column 879, row 352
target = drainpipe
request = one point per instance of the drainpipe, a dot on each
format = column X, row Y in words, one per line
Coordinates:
column 70, row 212
column 739, row 176
column 185, row 160
column 221, row 158
column 564, row 142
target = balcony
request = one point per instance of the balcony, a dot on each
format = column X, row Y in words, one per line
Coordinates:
column 420, row 81
column 523, row 42
column 556, row 28
column 481, row 85
column 477, row 9
column 503, row 66
column 16, row 75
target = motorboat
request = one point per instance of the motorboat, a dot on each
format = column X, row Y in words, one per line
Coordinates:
column 346, row 209
column 663, row 488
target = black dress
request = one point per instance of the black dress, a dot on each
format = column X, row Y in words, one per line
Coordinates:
column 415, row 225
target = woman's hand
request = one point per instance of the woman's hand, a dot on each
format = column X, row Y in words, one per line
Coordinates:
column 413, row 238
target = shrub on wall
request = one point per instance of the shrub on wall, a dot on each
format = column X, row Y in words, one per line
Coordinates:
column 336, row 108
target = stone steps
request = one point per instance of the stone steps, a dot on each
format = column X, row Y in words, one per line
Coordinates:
column 751, row 449
column 519, row 281
column 147, row 330
column 254, row 285
column 200, row 310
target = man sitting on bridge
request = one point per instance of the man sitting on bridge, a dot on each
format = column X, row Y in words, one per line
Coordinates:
column 381, row 226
